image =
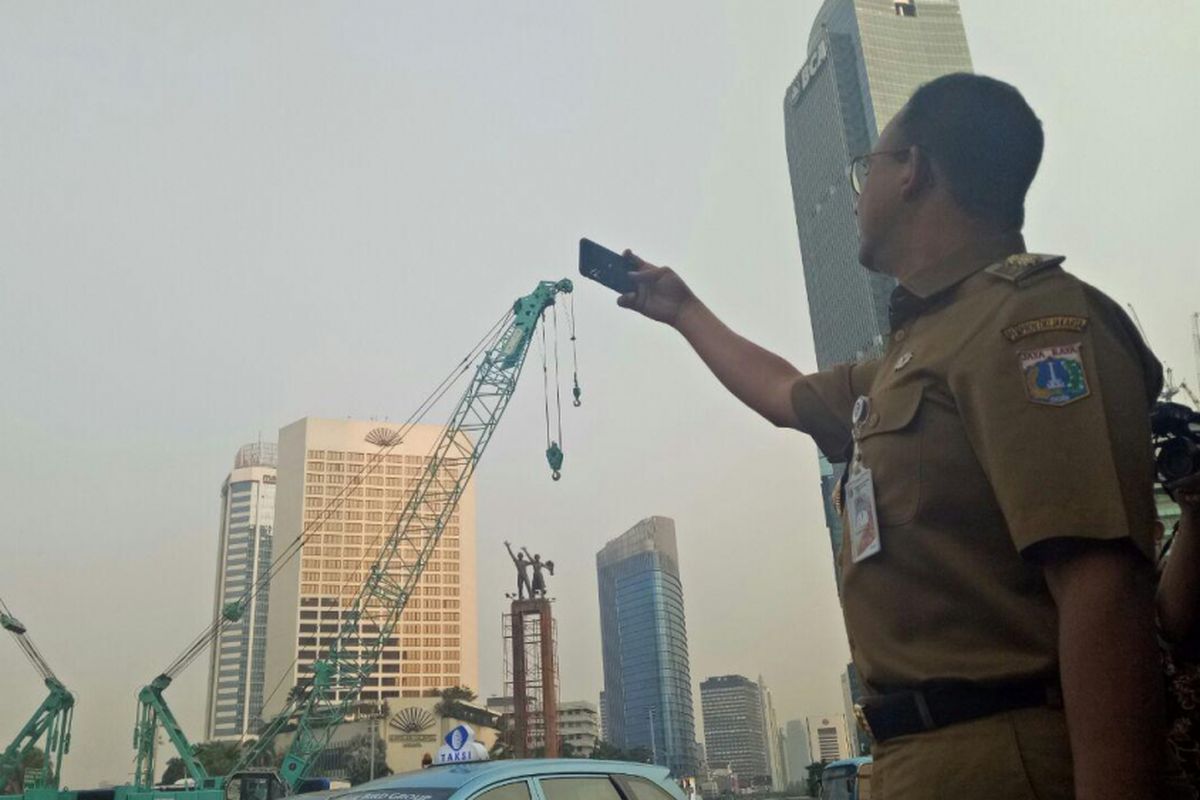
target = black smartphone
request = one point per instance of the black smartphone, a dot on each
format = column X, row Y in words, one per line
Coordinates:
column 606, row 267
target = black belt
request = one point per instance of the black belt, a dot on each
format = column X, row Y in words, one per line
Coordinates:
column 899, row 713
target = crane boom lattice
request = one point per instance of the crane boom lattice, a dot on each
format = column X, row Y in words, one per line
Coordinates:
column 339, row 674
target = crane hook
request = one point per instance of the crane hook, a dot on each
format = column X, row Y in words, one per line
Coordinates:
column 554, row 455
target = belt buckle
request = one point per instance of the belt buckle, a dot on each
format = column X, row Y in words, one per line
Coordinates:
column 860, row 716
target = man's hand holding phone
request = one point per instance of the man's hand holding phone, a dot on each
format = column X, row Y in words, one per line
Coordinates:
column 757, row 377
column 660, row 293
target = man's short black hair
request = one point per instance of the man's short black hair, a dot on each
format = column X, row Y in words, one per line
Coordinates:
column 985, row 139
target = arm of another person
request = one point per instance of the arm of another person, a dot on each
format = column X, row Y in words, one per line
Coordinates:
column 1109, row 665
column 1179, row 587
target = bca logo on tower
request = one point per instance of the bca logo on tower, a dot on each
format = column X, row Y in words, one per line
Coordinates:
column 461, row 746
column 815, row 59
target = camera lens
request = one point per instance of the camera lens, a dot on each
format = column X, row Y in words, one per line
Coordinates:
column 1177, row 459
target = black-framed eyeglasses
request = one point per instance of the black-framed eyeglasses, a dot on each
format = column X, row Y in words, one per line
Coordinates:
column 860, row 167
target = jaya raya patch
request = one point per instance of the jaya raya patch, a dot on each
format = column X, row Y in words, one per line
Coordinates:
column 1054, row 376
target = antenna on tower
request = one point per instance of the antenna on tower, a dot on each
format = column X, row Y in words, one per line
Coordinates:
column 1196, row 344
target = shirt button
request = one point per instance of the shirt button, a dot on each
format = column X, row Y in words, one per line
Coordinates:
column 898, row 335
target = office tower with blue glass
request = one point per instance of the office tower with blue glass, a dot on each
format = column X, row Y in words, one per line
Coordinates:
column 864, row 59
column 647, row 679
column 236, row 665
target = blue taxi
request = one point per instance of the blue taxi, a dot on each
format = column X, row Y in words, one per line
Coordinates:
column 455, row 778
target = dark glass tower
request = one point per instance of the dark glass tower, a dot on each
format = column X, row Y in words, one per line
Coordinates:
column 736, row 731
column 865, row 58
column 647, row 681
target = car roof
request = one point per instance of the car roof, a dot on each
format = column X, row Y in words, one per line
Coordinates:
column 477, row 774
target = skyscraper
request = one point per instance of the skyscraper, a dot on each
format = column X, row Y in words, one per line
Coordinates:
column 436, row 642
column 865, row 58
column 736, row 728
column 853, row 692
column 235, row 667
column 643, row 632
column 798, row 755
column 827, row 738
column 774, row 739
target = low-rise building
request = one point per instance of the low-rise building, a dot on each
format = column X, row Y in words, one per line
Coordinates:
column 578, row 724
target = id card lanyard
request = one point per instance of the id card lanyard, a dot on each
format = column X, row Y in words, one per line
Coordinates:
column 861, row 515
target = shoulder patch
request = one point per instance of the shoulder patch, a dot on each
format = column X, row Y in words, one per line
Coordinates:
column 1029, row 327
column 1021, row 265
column 1054, row 376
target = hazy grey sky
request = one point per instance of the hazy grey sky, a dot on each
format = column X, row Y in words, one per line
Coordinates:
column 218, row 218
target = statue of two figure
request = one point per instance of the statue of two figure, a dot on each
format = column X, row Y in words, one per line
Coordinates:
column 523, row 562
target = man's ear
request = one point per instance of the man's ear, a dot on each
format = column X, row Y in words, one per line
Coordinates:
column 919, row 175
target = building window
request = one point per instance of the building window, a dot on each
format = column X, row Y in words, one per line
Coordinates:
column 906, row 8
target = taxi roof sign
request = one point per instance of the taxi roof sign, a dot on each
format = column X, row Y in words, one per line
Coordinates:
column 461, row 747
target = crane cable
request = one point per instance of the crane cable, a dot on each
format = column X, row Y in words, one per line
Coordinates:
column 575, row 390
column 545, row 381
column 220, row 621
column 29, row 648
column 486, row 343
column 554, row 453
column 557, row 379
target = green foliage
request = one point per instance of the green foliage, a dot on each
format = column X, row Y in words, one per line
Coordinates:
column 814, row 777
column 174, row 771
column 358, row 759
column 32, row 761
column 452, row 705
column 217, row 758
column 607, row 752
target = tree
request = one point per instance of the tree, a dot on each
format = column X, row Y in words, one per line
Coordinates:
column 358, row 758
column 608, row 752
column 640, row 755
column 32, row 761
column 174, row 771
column 814, row 777
column 452, row 697
column 217, row 758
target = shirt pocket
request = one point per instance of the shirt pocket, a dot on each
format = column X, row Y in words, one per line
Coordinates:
column 891, row 442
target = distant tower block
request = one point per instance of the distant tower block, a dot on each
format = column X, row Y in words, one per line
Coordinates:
column 531, row 676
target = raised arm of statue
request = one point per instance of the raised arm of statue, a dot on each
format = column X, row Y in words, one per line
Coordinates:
column 510, row 552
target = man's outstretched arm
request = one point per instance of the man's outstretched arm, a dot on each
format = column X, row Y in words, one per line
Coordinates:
column 756, row 376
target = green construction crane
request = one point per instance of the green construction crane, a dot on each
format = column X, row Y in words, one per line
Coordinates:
column 317, row 707
column 50, row 726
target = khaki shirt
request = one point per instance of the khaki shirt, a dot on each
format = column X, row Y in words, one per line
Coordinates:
column 1011, row 407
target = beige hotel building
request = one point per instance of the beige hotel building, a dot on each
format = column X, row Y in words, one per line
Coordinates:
column 436, row 643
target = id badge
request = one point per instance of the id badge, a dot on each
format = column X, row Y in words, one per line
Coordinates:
column 859, row 501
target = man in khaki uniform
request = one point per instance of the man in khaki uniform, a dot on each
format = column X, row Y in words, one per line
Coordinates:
column 996, row 566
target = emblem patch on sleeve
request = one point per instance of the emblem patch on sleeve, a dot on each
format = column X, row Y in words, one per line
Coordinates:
column 1054, row 376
